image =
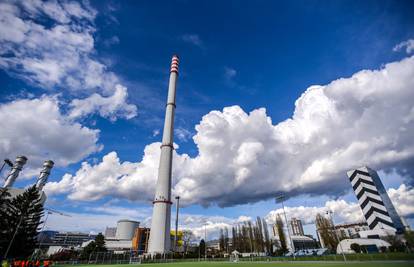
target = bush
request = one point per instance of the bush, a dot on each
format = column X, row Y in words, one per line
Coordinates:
column 356, row 247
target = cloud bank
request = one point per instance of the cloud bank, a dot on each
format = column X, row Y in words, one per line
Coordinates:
column 242, row 157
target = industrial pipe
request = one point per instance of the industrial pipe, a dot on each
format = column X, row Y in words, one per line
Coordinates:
column 44, row 174
column 14, row 172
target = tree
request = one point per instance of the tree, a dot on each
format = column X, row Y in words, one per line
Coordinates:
column 188, row 237
column 409, row 239
column 23, row 215
column 326, row 232
column 4, row 220
column 395, row 242
column 202, row 248
column 88, row 250
column 100, row 243
column 221, row 240
column 356, row 247
column 282, row 238
column 268, row 243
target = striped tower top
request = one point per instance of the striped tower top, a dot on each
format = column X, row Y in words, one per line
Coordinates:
column 374, row 201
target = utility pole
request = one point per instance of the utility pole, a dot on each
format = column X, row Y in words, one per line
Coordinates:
column 176, row 222
column 280, row 198
column 330, row 213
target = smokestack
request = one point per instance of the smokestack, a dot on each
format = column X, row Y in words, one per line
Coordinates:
column 17, row 167
column 44, row 174
column 159, row 240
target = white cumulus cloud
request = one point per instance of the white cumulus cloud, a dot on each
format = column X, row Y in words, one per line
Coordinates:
column 111, row 107
column 37, row 129
column 243, row 157
column 60, row 55
column 348, row 212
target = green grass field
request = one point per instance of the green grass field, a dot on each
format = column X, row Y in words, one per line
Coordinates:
column 268, row 264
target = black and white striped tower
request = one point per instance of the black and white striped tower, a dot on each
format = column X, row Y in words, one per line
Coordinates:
column 374, row 201
column 159, row 240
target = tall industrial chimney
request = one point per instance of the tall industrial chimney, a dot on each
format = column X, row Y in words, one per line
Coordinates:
column 44, row 174
column 17, row 167
column 159, row 241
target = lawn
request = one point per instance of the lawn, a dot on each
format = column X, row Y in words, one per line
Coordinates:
column 265, row 264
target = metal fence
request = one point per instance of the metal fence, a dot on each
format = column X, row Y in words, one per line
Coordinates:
column 107, row 258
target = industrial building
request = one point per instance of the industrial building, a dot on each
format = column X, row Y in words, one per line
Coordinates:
column 110, row 232
column 127, row 236
column 15, row 170
column 124, row 234
column 70, row 239
column 374, row 201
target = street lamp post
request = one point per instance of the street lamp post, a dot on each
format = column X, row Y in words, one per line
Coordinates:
column 280, row 199
column 205, row 242
column 330, row 213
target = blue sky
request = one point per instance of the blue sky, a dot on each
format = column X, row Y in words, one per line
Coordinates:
column 261, row 54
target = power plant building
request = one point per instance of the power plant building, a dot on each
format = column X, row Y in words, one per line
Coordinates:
column 374, row 201
column 125, row 229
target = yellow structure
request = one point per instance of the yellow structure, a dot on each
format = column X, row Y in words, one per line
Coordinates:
column 180, row 241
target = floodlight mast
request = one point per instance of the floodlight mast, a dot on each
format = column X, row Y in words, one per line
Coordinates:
column 279, row 199
column 330, row 213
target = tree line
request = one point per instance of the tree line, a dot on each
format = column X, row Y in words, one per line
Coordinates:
column 250, row 237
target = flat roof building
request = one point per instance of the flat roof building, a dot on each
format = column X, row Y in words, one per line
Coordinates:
column 297, row 227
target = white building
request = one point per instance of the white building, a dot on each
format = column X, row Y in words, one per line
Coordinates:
column 350, row 230
column 296, row 226
column 368, row 244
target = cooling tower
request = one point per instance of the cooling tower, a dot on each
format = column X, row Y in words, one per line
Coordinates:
column 125, row 229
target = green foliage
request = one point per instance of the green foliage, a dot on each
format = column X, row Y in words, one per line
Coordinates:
column 247, row 237
column 356, row 247
column 282, row 237
column 396, row 244
column 22, row 215
column 202, row 248
column 100, row 243
column 4, row 220
column 94, row 246
column 88, row 250
column 409, row 239
column 327, row 233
